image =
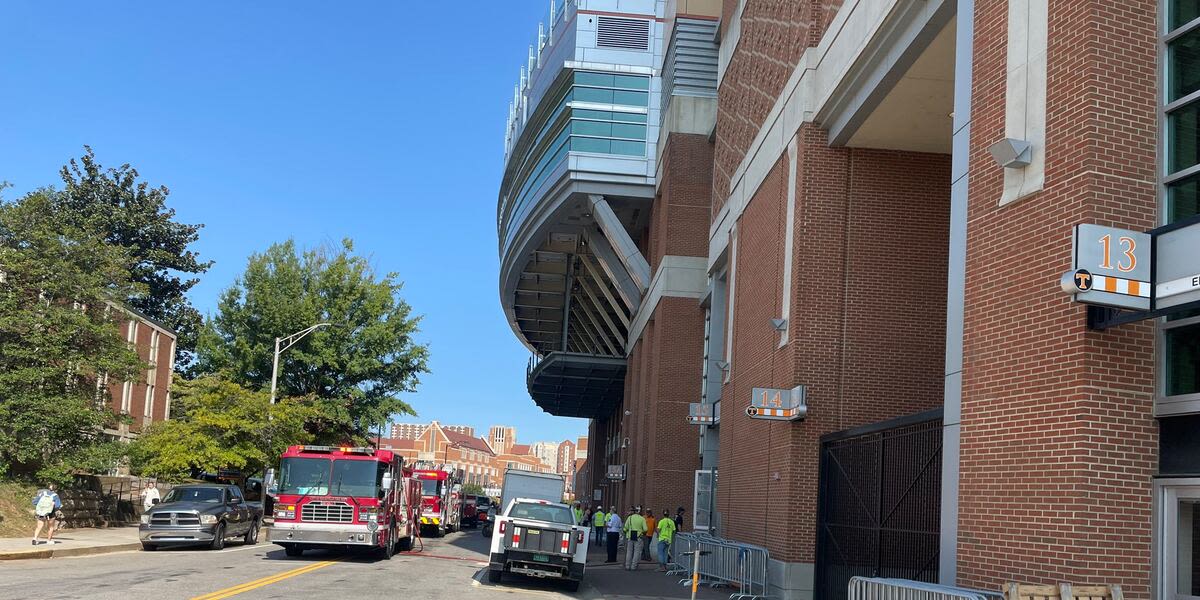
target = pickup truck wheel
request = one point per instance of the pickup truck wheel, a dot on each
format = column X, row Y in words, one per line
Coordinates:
column 218, row 541
column 149, row 547
column 251, row 535
column 293, row 550
column 572, row 586
column 494, row 575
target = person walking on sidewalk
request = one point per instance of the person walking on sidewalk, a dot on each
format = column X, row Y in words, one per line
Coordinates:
column 45, row 503
column 613, row 524
column 666, row 535
column 651, row 534
column 149, row 495
column 598, row 521
column 635, row 539
column 679, row 519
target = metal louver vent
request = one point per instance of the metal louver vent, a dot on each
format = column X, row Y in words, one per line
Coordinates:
column 629, row 34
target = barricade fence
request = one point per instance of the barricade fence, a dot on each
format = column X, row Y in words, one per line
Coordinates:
column 879, row 588
column 722, row 563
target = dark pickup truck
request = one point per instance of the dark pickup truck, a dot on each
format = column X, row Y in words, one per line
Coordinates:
column 201, row 514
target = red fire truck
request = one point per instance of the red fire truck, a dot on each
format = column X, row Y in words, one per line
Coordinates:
column 440, row 499
column 342, row 497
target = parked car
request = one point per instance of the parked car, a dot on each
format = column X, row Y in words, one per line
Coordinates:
column 201, row 514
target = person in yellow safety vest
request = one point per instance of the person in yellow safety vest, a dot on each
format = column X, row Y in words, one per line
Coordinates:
column 578, row 513
column 635, row 534
column 598, row 521
column 666, row 535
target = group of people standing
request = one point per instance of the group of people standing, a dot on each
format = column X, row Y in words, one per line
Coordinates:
column 639, row 532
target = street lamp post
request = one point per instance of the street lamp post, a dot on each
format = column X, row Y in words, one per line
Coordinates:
column 281, row 345
column 287, row 342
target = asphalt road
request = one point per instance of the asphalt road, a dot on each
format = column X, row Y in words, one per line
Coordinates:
column 448, row 567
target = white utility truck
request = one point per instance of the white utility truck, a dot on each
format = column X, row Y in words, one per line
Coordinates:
column 535, row 533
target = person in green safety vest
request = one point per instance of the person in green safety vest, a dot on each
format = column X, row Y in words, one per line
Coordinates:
column 666, row 535
column 598, row 521
column 577, row 512
column 635, row 538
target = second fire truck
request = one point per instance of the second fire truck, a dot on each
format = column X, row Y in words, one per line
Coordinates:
column 441, row 499
column 337, row 497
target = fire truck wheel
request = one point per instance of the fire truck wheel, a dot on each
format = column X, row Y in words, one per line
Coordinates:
column 293, row 550
column 218, row 541
column 494, row 575
column 389, row 547
column 406, row 543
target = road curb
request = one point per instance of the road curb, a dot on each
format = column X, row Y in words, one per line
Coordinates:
column 66, row 552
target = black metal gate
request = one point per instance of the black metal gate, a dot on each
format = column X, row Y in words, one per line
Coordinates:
column 879, row 503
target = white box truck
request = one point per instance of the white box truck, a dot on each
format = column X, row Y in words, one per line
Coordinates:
column 535, row 532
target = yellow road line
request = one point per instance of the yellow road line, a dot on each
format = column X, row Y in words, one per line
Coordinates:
column 265, row 581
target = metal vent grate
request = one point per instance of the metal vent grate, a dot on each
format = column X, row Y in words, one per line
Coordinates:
column 629, row 34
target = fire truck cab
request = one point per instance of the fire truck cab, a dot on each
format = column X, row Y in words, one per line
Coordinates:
column 343, row 497
column 441, row 498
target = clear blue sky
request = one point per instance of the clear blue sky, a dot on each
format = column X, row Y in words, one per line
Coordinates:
column 382, row 121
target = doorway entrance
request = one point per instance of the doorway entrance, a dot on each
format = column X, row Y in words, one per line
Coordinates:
column 1178, row 539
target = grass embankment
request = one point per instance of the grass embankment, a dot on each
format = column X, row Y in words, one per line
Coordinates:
column 16, row 511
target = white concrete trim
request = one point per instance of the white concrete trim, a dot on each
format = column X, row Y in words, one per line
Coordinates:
column 731, row 34
column 676, row 277
column 812, row 84
column 789, row 243
column 730, row 302
column 1025, row 94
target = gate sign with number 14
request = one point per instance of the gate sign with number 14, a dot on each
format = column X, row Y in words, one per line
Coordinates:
column 1111, row 267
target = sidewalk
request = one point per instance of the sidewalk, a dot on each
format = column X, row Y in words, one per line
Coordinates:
column 74, row 542
column 612, row 581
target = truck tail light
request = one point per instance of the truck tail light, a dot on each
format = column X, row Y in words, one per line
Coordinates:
column 503, row 526
column 578, row 537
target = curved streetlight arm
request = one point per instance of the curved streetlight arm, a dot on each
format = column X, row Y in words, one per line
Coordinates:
column 282, row 344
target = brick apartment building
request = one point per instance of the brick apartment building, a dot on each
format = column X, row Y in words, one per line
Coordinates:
column 706, row 198
column 481, row 463
column 410, row 431
column 148, row 399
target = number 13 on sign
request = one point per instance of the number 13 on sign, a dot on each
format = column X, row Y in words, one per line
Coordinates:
column 1128, row 260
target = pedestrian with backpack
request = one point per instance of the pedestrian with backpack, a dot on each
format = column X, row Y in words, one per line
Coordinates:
column 45, row 503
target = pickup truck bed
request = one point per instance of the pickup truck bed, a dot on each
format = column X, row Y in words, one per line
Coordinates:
column 537, row 548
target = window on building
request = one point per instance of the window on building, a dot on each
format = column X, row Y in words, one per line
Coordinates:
column 1179, row 354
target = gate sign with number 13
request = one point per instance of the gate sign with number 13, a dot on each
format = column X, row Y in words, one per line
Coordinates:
column 1111, row 267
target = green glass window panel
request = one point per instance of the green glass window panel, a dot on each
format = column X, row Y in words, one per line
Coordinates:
column 582, row 144
column 602, row 115
column 628, row 148
column 629, row 117
column 632, row 82
column 597, row 79
column 1183, row 360
column 1183, row 56
column 1183, row 199
column 1183, row 133
column 622, row 130
column 599, row 128
column 631, row 98
column 594, row 95
column 1184, row 11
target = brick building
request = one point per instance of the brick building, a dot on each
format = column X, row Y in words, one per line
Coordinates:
column 148, row 399
column 410, row 431
column 443, row 445
column 708, row 204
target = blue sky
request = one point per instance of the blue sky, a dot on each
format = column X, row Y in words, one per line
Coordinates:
column 381, row 121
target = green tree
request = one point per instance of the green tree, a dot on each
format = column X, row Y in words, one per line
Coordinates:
column 223, row 425
column 58, row 338
column 353, row 370
column 472, row 489
column 130, row 214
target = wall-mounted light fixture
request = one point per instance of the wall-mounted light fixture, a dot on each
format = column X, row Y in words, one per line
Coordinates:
column 1012, row 153
column 780, row 325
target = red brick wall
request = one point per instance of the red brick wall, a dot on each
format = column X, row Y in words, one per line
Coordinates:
column 137, row 402
column 679, row 218
column 774, row 33
column 867, row 326
column 1058, row 442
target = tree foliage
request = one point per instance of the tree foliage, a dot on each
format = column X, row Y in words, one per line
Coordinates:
column 472, row 489
column 223, row 425
column 354, row 369
column 58, row 337
column 130, row 214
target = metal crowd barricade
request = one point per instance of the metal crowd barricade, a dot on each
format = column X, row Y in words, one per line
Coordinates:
column 722, row 563
column 878, row 588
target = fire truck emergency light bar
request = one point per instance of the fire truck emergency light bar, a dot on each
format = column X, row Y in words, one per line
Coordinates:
column 344, row 449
